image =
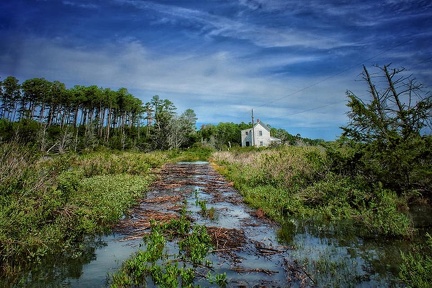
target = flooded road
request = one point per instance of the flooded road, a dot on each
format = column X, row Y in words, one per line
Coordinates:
column 252, row 250
column 246, row 248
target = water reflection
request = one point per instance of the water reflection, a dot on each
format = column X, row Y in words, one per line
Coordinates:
column 107, row 259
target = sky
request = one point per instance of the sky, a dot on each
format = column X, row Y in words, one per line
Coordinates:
column 290, row 61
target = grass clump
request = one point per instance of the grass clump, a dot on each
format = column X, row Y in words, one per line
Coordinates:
column 156, row 266
column 196, row 153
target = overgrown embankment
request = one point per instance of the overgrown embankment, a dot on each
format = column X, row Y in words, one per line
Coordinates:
column 50, row 204
column 298, row 182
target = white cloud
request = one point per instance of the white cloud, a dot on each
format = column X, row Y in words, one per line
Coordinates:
column 219, row 87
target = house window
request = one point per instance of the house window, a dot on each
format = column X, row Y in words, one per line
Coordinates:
column 260, row 133
column 261, row 142
column 247, row 133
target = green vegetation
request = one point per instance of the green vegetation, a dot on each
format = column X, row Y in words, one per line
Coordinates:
column 53, row 118
column 206, row 212
column 226, row 135
column 197, row 152
column 50, row 204
column 364, row 181
column 390, row 135
column 296, row 182
column 416, row 266
column 367, row 177
column 155, row 265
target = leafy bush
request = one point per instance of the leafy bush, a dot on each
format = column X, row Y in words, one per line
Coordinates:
column 388, row 135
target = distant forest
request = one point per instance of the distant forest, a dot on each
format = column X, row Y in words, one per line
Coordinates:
column 55, row 118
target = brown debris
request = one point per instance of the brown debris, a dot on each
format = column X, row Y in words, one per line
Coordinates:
column 165, row 200
column 226, row 239
column 296, row 272
column 135, row 228
column 265, row 250
column 162, row 199
column 260, row 213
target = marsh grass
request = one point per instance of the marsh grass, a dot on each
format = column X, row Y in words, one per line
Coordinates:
column 299, row 188
column 193, row 154
column 49, row 204
column 205, row 211
column 297, row 182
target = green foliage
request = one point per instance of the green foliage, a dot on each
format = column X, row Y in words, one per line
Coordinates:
column 387, row 133
column 290, row 139
column 223, row 135
column 219, row 279
column 48, row 205
column 298, row 182
column 106, row 203
column 56, row 119
column 382, row 216
column 197, row 152
column 417, row 265
column 196, row 245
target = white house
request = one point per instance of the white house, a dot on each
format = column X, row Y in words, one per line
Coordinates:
column 258, row 136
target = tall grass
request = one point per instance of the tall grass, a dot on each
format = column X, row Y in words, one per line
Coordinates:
column 298, row 182
column 49, row 204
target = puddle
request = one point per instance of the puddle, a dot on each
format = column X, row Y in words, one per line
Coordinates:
column 108, row 259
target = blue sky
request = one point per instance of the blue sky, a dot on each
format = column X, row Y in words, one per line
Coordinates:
column 290, row 61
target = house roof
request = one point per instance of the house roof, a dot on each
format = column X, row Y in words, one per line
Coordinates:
column 259, row 123
column 262, row 124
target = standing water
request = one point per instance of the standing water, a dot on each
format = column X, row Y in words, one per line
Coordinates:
column 252, row 250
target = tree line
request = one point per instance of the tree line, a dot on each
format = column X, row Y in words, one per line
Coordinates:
column 54, row 117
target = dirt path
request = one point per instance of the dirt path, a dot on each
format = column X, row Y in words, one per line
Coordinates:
column 245, row 245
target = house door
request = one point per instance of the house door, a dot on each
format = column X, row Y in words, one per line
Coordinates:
column 247, row 144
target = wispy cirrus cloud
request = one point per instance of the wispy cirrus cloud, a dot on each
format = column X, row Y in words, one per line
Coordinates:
column 214, row 25
column 86, row 5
